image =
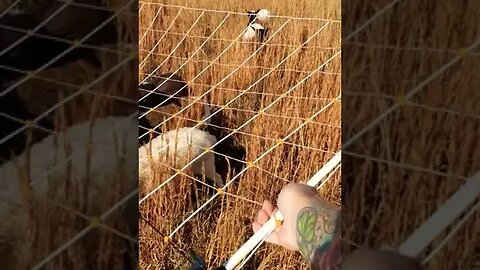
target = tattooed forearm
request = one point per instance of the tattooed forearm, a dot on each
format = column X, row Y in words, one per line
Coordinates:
column 316, row 230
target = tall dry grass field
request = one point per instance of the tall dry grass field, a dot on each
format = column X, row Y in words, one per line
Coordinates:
column 220, row 228
column 407, row 165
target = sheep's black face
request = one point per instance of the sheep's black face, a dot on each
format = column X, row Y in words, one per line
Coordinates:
column 165, row 90
column 151, row 99
column 145, row 89
column 231, row 156
column 173, row 85
column 252, row 15
column 147, row 86
column 13, row 109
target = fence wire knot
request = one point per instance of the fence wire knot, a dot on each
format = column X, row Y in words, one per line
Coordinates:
column 94, row 221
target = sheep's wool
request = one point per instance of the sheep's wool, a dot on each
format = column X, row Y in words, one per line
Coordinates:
column 111, row 140
column 251, row 31
column 249, row 34
column 181, row 146
column 263, row 15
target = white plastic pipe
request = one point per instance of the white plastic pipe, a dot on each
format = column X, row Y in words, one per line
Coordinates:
column 325, row 170
column 442, row 218
column 271, row 224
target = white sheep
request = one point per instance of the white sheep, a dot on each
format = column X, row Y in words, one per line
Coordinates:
column 184, row 144
column 112, row 139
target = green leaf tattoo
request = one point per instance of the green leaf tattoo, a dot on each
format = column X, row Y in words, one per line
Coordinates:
column 306, row 225
column 315, row 229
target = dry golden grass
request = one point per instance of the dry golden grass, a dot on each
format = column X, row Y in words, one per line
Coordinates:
column 224, row 225
column 385, row 203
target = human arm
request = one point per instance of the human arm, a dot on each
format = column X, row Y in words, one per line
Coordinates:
column 318, row 235
column 312, row 226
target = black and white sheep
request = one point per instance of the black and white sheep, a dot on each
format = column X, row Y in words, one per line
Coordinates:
column 184, row 145
column 189, row 142
column 254, row 27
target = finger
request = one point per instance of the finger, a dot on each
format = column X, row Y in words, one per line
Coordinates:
column 268, row 207
column 256, row 226
column 262, row 216
column 272, row 238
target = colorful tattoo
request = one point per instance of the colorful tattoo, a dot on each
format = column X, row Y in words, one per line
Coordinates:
column 318, row 236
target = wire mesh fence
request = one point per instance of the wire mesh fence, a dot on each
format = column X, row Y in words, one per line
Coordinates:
column 273, row 108
column 402, row 150
column 189, row 63
column 269, row 104
column 67, row 74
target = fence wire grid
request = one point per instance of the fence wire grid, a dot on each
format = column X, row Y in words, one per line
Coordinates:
column 275, row 109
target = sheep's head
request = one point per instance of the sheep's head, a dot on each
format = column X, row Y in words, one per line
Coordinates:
column 169, row 117
column 252, row 15
column 167, row 102
column 163, row 90
column 259, row 15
